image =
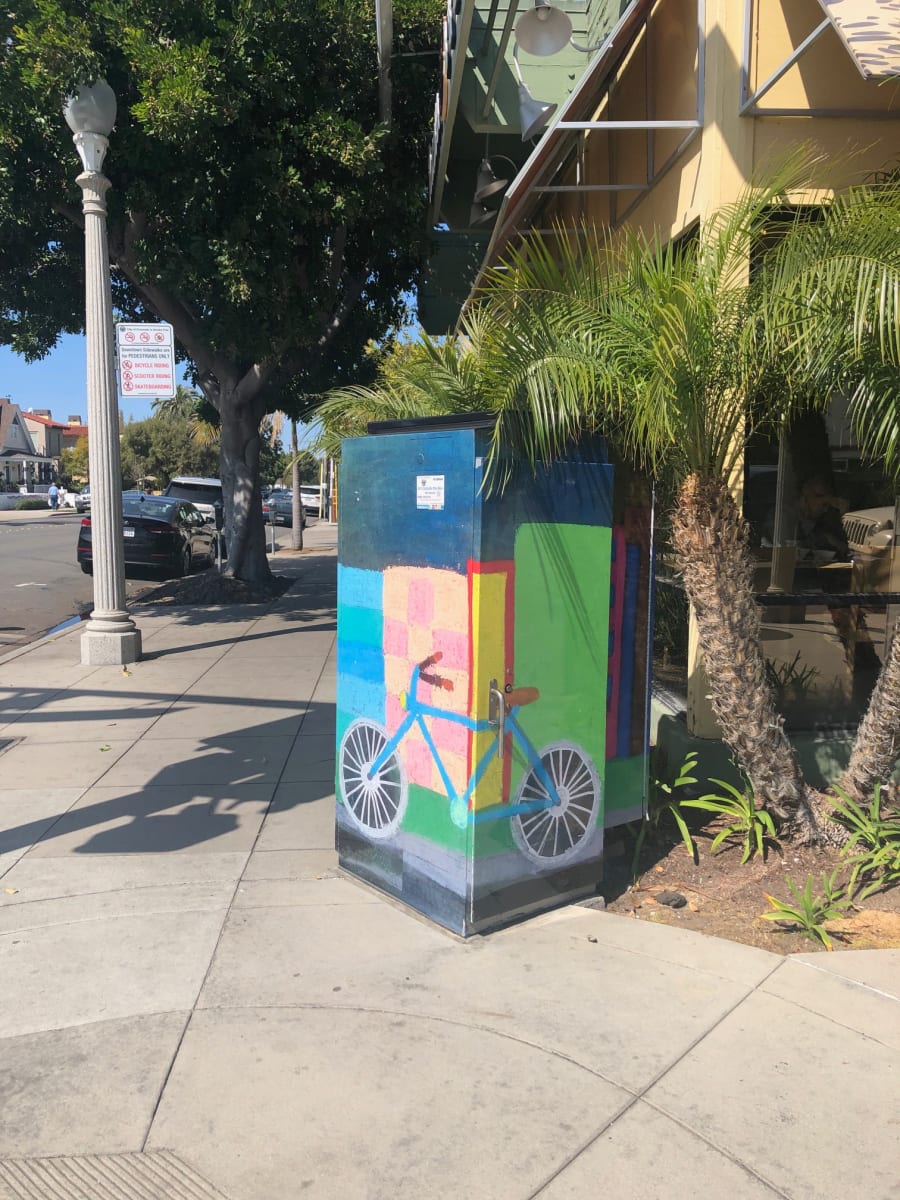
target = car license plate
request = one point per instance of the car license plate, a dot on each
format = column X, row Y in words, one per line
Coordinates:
column 128, row 532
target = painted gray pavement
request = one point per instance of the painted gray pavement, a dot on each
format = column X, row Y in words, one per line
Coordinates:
column 195, row 1003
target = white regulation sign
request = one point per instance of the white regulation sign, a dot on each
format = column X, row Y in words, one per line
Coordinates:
column 146, row 360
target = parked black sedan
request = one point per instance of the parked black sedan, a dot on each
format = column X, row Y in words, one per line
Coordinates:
column 165, row 534
column 278, row 508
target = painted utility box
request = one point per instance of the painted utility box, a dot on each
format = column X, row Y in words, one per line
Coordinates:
column 492, row 674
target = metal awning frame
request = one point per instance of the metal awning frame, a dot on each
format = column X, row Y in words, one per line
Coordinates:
column 749, row 102
column 536, row 177
column 500, row 60
column 439, row 170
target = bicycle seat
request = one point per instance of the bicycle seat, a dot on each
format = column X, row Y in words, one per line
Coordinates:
column 520, row 696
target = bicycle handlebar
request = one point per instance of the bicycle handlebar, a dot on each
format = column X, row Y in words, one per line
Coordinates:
column 437, row 681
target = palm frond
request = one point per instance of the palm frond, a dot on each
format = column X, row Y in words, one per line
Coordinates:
column 834, row 311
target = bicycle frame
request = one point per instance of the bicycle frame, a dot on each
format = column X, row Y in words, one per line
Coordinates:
column 416, row 712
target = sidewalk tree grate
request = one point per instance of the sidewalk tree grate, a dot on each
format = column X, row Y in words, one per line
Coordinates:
column 154, row 1175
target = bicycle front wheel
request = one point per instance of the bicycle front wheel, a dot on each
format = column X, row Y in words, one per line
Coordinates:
column 555, row 834
column 375, row 800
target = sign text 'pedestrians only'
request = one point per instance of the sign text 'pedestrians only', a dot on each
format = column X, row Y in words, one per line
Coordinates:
column 146, row 360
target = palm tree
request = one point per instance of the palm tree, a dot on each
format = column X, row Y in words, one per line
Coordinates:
column 654, row 344
column 834, row 314
column 419, row 379
column 190, row 406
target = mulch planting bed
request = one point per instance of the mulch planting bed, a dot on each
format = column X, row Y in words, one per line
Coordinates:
column 210, row 588
column 723, row 897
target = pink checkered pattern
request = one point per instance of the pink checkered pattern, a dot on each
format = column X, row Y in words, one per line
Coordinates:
column 427, row 610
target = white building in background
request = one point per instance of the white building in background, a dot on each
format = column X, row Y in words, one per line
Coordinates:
column 21, row 463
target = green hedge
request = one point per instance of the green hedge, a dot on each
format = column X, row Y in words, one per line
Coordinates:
column 29, row 504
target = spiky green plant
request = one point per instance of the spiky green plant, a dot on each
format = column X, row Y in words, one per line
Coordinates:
column 873, row 848
column 751, row 825
column 678, row 356
column 810, row 911
column 664, row 801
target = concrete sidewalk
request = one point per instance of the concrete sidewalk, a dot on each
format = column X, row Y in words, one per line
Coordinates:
column 194, row 1003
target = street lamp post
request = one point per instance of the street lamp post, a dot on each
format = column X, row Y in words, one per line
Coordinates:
column 110, row 636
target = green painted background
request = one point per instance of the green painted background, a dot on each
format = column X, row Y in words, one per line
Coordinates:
column 562, row 634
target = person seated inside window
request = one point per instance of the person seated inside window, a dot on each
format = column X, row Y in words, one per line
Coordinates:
column 820, row 529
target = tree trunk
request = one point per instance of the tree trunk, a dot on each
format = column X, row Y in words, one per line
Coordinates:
column 239, row 465
column 296, row 502
column 876, row 746
column 710, row 542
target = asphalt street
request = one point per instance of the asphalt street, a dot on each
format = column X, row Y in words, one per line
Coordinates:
column 41, row 584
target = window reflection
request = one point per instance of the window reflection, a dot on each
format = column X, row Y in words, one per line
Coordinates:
column 823, row 528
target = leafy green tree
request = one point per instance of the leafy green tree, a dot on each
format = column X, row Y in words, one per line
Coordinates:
column 162, row 446
column 259, row 202
column 308, row 467
column 272, row 458
column 74, row 462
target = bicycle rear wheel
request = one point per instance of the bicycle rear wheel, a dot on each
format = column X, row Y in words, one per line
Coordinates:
column 559, row 833
column 375, row 801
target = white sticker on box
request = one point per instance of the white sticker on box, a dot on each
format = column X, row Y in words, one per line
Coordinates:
column 430, row 491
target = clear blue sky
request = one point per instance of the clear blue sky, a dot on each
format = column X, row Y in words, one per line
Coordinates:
column 57, row 382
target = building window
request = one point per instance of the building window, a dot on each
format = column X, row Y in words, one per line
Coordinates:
column 823, row 528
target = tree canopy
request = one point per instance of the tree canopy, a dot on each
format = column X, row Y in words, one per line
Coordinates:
column 259, row 203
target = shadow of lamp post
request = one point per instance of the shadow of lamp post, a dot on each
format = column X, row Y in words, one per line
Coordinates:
column 110, row 636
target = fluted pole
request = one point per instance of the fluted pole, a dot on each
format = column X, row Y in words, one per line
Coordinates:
column 110, row 636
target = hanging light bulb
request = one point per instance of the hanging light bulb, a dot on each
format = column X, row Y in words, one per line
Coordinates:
column 544, row 30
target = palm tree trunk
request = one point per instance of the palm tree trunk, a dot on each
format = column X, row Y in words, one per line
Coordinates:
column 710, row 542
column 876, row 746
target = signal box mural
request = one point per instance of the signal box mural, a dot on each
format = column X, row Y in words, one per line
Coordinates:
column 492, row 675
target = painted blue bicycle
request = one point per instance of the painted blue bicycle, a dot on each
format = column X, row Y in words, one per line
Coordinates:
column 554, row 813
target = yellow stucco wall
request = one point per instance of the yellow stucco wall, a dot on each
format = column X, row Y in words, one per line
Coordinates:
column 659, row 79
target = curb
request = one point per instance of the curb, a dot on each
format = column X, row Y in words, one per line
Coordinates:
column 40, row 641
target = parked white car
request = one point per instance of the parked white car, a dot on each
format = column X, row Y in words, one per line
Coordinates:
column 311, row 498
column 205, row 494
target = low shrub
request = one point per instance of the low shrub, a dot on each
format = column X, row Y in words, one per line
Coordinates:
column 25, row 505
